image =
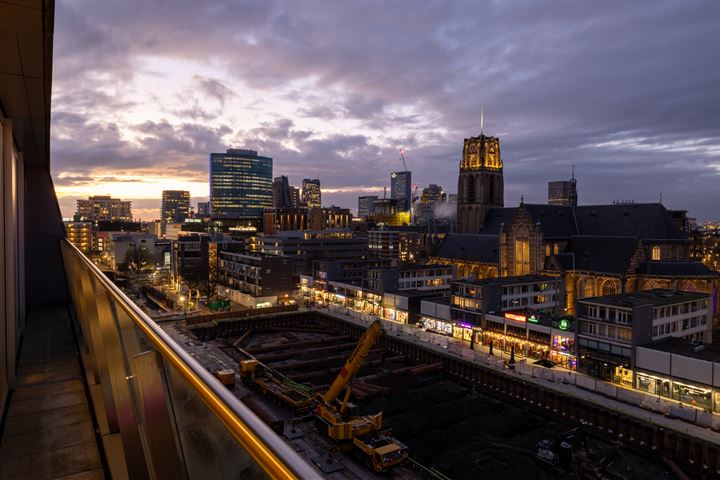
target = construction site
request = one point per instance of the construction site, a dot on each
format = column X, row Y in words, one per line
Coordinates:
column 361, row 404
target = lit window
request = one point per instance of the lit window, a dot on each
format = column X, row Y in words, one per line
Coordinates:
column 656, row 252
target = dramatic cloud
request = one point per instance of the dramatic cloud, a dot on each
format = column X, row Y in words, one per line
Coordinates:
column 625, row 92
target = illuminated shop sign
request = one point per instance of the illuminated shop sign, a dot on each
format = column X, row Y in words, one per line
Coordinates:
column 564, row 324
column 516, row 317
column 533, row 319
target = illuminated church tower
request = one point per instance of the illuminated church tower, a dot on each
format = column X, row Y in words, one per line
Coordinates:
column 480, row 185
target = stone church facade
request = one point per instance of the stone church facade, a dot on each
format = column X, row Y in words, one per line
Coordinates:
column 597, row 249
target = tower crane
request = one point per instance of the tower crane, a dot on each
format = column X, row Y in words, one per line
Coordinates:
column 402, row 157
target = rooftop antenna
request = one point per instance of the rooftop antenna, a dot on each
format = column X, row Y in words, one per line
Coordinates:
column 660, row 197
column 482, row 120
column 573, row 173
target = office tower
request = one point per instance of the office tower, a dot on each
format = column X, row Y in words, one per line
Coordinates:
column 400, row 189
column 175, row 206
column 563, row 192
column 281, row 192
column 480, row 184
column 311, row 195
column 102, row 207
column 432, row 193
column 203, row 208
column 366, row 205
column 240, row 184
column 430, row 198
column 294, row 197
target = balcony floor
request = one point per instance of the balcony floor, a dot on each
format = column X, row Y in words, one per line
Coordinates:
column 48, row 432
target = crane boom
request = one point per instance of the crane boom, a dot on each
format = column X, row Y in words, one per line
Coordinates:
column 402, row 157
column 354, row 361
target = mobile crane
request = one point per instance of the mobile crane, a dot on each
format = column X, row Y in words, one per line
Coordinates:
column 363, row 432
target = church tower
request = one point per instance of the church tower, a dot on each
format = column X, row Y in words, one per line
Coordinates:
column 480, row 185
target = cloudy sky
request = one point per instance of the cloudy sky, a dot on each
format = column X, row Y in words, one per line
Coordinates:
column 627, row 92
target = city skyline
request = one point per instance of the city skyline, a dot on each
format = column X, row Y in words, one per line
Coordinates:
column 604, row 89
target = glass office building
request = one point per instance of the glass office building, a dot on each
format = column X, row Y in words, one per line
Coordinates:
column 240, row 184
column 400, row 189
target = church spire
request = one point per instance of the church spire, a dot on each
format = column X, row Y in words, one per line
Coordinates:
column 481, row 120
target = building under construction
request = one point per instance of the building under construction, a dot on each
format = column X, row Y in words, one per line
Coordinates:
column 456, row 419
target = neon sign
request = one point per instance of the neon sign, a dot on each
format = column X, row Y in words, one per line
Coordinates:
column 516, row 317
column 563, row 324
column 533, row 319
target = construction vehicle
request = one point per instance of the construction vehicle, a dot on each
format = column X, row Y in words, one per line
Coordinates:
column 362, row 431
column 226, row 377
column 273, row 384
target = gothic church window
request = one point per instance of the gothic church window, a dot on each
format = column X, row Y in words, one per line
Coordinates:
column 470, row 193
column 522, row 252
column 656, row 252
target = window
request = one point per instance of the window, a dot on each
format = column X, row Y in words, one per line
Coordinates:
column 547, row 250
column 556, row 249
column 656, row 252
column 470, row 197
column 522, row 252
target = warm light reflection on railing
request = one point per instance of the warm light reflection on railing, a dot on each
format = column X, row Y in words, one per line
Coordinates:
column 269, row 451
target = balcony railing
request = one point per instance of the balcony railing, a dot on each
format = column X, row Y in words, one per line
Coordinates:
column 165, row 414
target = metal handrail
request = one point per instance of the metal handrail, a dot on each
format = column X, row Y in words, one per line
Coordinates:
column 273, row 455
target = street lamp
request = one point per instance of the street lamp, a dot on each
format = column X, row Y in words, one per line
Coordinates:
column 182, row 301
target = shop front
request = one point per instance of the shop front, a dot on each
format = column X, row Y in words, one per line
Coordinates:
column 562, row 350
column 700, row 396
column 463, row 331
column 433, row 325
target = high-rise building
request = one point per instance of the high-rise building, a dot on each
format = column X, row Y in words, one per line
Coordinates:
column 563, row 192
column 240, row 184
column 431, row 197
column 432, row 193
column 401, row 189
column 203, row 208
column 175, row 206
column 481, row 184
column 102, row 207
column 311, row 195
column 366, row 205
column 80, row 235
column 294, row 197
column 281, row 192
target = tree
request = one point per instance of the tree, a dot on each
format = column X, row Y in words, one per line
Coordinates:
column 207, row 288
column 138, row 258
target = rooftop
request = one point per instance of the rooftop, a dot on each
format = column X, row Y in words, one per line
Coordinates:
column 681, row 346
column 521, row 279
column 439, row 300
column 657, row 298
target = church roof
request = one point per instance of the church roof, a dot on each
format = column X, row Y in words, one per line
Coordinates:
column 496, row 217
column 470, row 247
column 647, row 221
column 556, row 221
column 600, row 254
column 677, row 269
